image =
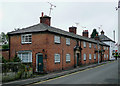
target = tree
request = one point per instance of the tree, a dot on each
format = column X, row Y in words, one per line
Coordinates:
column 4, row 38
column 94, row 33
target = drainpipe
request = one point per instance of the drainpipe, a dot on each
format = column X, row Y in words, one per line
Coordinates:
column 80, row 53
column 98, row 50
column 9, row 47
column 74, row 58
column 62, row 58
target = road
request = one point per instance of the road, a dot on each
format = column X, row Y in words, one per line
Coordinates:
column 104, row 74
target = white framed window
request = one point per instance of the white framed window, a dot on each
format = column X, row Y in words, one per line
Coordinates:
column 57, row 39
column 107, row 48
column 90, row 57
column 107, row 56
column 57, row 58
column 98, row 46
column 94, row 56
column 25, row 56
column 67, row 41
column 84, row 57
column 95, row 46
column 104, row 48
column 26, row 38
column 84, row 44
column 104, row 55
column 90, row 45
column 67, row 57
column 99, row 56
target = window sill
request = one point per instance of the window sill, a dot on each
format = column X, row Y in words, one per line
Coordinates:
column 68, row 62
column 57, row 62
column 57, row 43
column 27, row 43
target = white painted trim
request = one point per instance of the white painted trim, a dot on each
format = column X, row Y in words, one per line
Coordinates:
column 37, row 61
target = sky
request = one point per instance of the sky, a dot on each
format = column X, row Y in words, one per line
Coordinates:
column 87, row 13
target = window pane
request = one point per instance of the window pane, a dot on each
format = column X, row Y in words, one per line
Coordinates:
column 56, row 39
column 25, row 57
column 26, row 38
column 57, row 58
column 67, row 57
column 84, row 56
column 68, row 41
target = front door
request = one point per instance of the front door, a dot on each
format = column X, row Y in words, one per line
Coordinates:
column 40, row 62
column 77, row 59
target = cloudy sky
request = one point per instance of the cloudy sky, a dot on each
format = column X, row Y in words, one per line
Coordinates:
column 92, row 14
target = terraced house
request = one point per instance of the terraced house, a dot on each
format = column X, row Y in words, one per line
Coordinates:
column 51, row 49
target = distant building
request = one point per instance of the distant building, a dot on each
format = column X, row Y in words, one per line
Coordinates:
column 119, row 26
column 109, row 42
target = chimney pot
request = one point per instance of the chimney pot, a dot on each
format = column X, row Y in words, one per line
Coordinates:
column 42, row 14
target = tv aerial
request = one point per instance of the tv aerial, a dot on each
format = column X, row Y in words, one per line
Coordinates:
column 51, row 7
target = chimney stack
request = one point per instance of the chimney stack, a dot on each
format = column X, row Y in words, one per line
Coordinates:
column 73, row 29
column 102, row 32
column 85, row 33
column 45, row 19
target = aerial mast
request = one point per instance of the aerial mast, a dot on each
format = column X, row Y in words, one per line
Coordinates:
column 51, row 7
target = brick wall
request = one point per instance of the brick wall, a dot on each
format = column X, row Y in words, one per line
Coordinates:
column 5, row 53
column 45, row 41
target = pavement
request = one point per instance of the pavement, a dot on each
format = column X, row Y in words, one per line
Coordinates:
column 49, row 76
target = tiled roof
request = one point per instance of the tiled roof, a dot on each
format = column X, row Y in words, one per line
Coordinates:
column 43, row 27
column 105, row 38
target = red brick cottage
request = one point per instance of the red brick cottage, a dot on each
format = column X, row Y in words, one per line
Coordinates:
column 50, row 49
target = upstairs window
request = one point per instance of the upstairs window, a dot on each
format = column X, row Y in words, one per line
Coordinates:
column 57, row 58
column 107, row 48
column 90, row 56
column 67, row 57
column 57, row 39
column 90, row 45
column 26, row 38
column 67, row 41
column 84, row 57
column 84, row 44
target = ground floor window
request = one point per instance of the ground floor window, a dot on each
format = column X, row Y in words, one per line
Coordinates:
column 90, row 56
column 84, row 57
column 25, row 56
column 104, row 55
column 94, row 56
column 67, row 57
column 57, row 58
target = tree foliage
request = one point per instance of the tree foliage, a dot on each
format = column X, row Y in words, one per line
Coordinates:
column 94, row 33
column 4, row 37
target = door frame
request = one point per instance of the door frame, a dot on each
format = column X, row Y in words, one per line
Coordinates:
column 37, row 61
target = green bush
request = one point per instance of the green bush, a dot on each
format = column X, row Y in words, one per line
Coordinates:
column 16, row 59
column 4, row 60
column 6, row 46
